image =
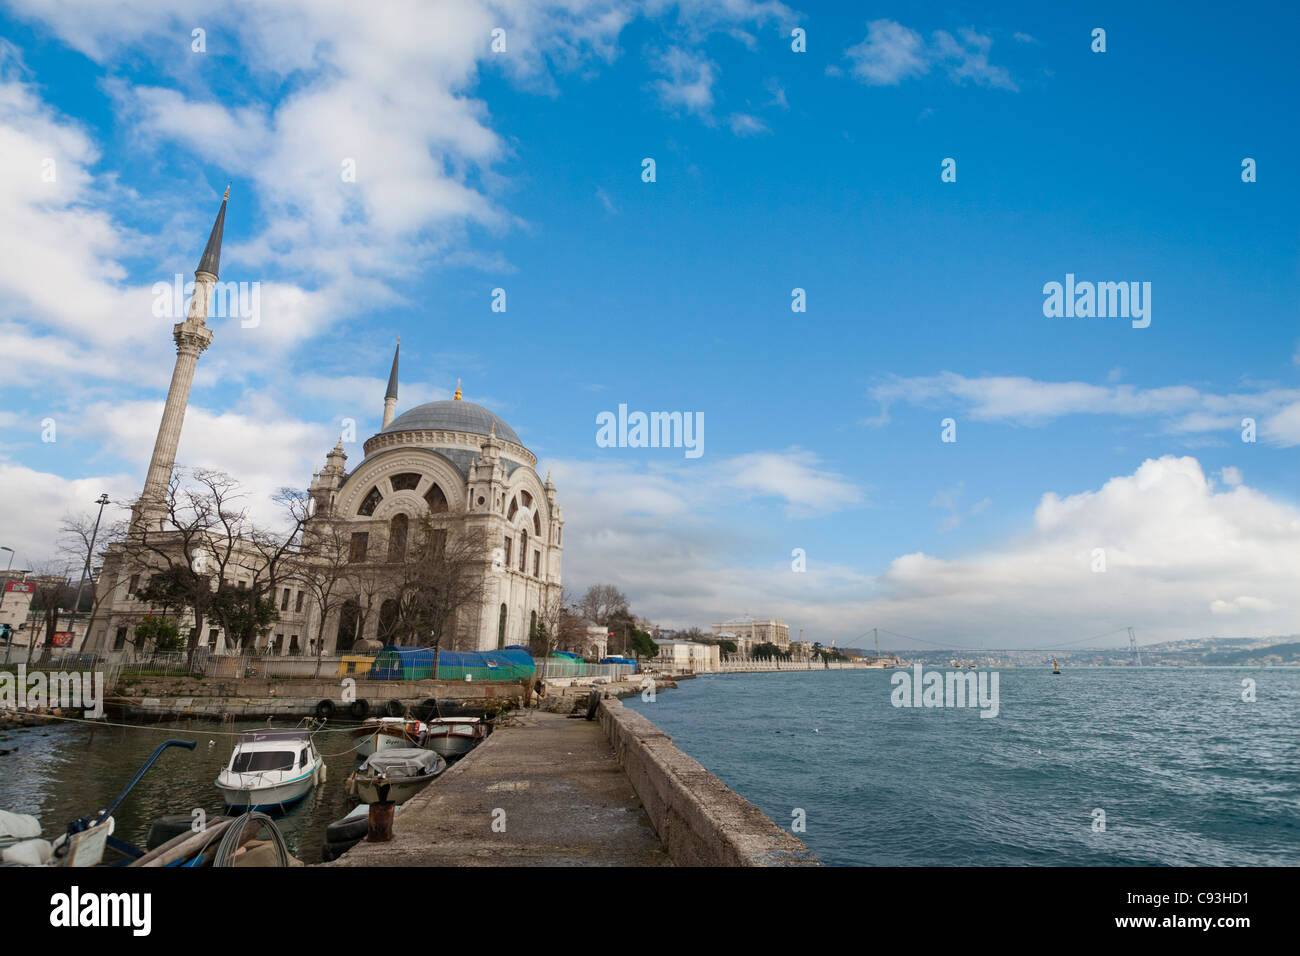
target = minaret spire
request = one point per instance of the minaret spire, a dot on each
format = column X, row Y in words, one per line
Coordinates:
column 192, row 336
column 390, row 397
column 211, row 260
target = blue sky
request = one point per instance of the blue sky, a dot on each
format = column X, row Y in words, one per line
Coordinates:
column 774, row 170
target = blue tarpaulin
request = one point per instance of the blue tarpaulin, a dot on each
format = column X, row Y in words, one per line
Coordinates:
column 416, row 663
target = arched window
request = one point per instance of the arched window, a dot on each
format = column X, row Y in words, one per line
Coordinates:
column 437, row 501
column 526, row 498
column 514, row 507
column 397, row 529
column 370, row 503
column 523, row 552
column 501, row 628
column 406, row 481
column 347, row 633
column 537, row 524
column 388, row 621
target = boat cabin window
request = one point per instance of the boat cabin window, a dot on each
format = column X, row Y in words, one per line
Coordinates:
column 249, row 761
column 302, row 759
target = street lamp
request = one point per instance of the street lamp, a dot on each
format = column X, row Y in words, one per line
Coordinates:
column 85, row 569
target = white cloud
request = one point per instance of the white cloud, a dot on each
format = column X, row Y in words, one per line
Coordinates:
column 687, row 80
column 795, row 476
column 1180, row 556
column 892, row 53
column 1027, row 401
column 36, row 502
column 743, row 124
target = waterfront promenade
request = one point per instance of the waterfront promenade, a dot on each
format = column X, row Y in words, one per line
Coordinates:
column 566, row 802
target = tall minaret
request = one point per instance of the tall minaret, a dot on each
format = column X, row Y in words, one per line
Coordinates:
column 192, row 337
column 390, row 397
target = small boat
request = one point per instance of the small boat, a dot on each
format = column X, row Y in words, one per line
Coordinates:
column 395, row 776
column 454, row 737
column 271, row 769
column 388, row 733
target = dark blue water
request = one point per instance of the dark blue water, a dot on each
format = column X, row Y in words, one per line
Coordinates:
column 1186, row 772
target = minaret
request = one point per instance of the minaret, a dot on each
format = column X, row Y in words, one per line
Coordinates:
column 390, row 397
column 192, row 337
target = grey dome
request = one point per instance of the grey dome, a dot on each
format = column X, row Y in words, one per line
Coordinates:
column 454, row 416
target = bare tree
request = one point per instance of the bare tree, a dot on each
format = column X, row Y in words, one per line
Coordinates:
column 79, row 542
column 50, row 581
column 442, row 576
column 210, row 559
column 321, row 564
column 602, row 602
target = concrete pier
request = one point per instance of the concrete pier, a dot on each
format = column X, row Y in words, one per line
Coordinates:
column 555, row 786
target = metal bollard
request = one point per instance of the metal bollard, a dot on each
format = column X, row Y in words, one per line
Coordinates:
column 380, row 822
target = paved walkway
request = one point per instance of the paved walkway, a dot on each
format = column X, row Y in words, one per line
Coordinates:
column 566, row 801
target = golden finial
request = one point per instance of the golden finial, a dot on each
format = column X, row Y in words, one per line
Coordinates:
column 493, row 432
column 227, row 195
column 456, row 397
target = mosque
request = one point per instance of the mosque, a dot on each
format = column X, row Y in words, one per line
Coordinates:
column 455, row 462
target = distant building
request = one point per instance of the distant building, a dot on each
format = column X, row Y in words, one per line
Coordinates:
column 596, row 642
column 745, row 632
column 18, row 594
column 688, row 655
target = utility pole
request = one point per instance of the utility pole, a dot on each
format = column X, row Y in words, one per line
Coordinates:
column 85, row 568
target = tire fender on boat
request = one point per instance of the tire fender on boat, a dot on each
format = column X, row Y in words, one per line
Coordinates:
column 359, row 708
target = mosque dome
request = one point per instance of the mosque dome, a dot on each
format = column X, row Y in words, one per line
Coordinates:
column 453, row 415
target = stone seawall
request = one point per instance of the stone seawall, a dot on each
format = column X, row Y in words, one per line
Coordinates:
column 701, row 821
column 164, row 698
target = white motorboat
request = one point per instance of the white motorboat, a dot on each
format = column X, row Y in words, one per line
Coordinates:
column 271, row 769
column 395, row 776
column 454, row 737
column 388, row 733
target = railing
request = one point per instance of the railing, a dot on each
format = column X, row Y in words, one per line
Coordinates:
column 558, row 670
column 734, row 666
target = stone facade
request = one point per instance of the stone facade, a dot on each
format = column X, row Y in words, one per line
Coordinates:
column 454, row 462
column 745, row 632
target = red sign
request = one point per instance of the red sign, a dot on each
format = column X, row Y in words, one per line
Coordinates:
column 63, row 638
column 20, row 586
